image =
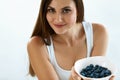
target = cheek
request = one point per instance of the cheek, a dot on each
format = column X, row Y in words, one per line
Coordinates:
column 49, row 19
column 71, row 19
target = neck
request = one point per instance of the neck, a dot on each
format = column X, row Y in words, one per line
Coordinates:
column 72, row 36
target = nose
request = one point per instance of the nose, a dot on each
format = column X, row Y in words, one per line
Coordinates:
column 58, row 18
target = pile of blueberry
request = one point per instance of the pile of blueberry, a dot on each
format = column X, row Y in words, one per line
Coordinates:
column 95, row 71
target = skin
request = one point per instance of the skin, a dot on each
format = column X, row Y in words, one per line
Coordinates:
column 70, row 40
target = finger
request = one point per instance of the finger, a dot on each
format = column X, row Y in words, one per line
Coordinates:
column 112, row 78
column 74, row 73
column 75, row 76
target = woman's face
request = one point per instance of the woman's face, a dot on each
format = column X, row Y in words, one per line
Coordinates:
column 61, row 15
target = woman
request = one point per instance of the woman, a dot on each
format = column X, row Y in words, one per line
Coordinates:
column 60, row 37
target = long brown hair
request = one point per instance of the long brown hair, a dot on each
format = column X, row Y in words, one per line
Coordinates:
column 43, row 29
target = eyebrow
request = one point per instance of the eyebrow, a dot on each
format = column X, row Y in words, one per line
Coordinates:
column 62, row 8
column 50, row 7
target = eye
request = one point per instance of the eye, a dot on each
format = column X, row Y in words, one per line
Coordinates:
column 50, row 10
column 66, row 10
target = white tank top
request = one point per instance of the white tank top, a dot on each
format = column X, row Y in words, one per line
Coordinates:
column 65, row 74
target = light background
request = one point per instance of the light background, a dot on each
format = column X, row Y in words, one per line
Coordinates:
column 17, row 19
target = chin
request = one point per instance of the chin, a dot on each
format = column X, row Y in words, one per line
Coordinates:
column 60, row 32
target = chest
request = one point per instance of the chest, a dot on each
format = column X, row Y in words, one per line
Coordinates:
column 66, row 56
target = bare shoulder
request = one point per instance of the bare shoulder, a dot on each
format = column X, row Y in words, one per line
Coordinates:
column 36, row 47
column 99, row 31
column 35, row 42
column 99, row 28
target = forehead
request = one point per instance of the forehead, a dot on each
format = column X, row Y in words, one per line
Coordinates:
column 62, row 3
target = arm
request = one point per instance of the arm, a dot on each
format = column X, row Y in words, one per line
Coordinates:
column 100, row 40
column 40, row 61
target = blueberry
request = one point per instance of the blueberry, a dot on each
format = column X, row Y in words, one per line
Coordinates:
column 83, row 74
column 96, row 71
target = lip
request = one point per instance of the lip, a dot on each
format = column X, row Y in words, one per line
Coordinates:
column 59, row 25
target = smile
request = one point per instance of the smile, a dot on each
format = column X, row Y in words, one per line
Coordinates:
column 59, row 25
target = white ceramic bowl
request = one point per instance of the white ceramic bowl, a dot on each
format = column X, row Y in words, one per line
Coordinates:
column 96, row 60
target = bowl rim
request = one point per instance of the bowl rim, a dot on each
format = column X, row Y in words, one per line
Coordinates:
column 95, row 57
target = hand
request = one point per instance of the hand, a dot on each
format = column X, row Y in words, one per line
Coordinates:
column 74, row 75
column 112, row 78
